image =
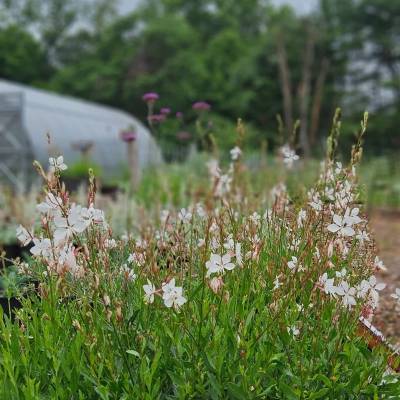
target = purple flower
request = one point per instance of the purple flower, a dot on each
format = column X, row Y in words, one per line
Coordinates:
column 128, row 136
column 150, row 97
column 156, row 118
column 179, row 114
column 201, row 106
column 165, row 110
column 183, row 135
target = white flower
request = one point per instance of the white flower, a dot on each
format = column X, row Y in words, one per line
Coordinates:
column 255, row 218
column 42, row 247
column 173, row 295
column 329, row 193
column 200, row 211
column 57, row 164
column 184, row 216
column 362, row 236
column 149, row 291
column 201, row 243
column 238, row 254
column 110, row 244
column 348, row 294
column 293, row 330
column 75, row 223
column 218, row 264
column 378, row 264
column 396, row 295
column 342, row 273
column 327, row 284
column 137, row 258
column 301, row 218
column 341, row 226
column 94, row 215
column 293, row 264
column 23, row 235
column 51, row 205
column 277, row 284
column 289, row 157
column 67, row 261
column 373, row 287
column 223, row 185
column 229, row 243
column 352, row 216
column 235, row 153
column 315, row 202
column 128, row 273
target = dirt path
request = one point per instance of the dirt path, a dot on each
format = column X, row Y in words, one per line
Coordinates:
column 386, row 230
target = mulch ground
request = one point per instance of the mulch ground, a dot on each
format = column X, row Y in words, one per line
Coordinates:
column 385, row 226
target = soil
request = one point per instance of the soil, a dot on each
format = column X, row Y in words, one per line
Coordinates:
column 385, row 225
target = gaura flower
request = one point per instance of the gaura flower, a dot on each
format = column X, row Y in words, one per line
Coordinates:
column 235, row 153
column 218, row 264
column 293, row 264
column 342, row 225
column 50, row 206
column 173, row 295
column 57, row 164
column 149, row 291
column 23, row 235
column 396, row 295
column 184, row 216
column 348, row 294
column 42, row 247
column 327, row 284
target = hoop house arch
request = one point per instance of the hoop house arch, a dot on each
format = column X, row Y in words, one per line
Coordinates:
column 28, row 115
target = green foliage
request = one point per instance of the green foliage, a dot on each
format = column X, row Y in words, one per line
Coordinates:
column 80, row 169
column 189, row 50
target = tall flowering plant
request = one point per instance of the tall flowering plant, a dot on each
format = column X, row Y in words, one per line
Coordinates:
column 237, row 295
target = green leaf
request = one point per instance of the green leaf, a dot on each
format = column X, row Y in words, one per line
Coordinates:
column 134, row 353
column 236, row 391
column 289, row 393
column 319, row 394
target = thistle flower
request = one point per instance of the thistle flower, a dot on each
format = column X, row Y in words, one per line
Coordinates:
column 128, row 136
column 156, row 118
column 150, row 97
column 201, row 106
column 165, row 111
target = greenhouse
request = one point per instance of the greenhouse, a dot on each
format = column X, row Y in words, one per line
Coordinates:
column 29, row 116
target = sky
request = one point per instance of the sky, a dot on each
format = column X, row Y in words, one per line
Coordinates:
column 301, row 6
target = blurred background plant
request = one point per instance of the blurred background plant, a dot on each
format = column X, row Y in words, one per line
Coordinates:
column 252, row 59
